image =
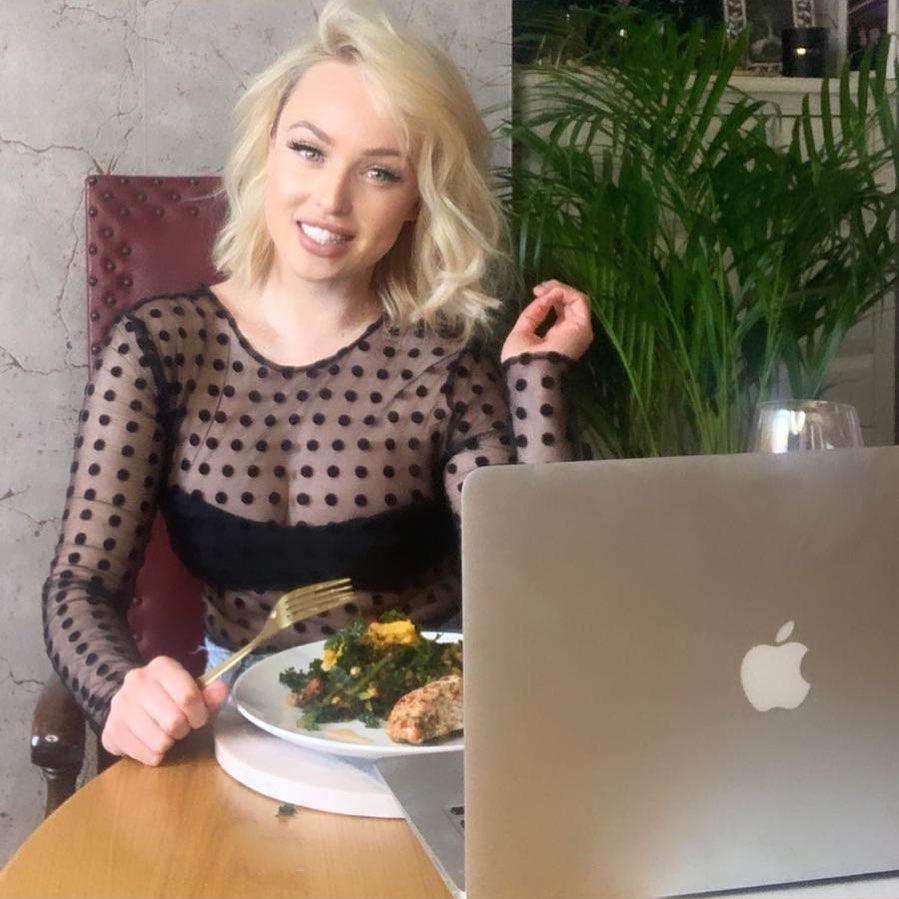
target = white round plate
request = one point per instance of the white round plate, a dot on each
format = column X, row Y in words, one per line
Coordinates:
column 262, row 699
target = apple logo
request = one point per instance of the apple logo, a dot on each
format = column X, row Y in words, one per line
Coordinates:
column 771, row 675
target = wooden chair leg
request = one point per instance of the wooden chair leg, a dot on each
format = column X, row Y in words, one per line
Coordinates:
column 60, row 786
column 57, row 741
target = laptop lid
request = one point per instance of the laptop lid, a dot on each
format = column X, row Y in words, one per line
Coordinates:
column 609, row 613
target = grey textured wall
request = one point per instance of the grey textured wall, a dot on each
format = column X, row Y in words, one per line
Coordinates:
column 131, row 86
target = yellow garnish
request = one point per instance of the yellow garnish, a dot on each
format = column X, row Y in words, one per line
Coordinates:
column 394, row 632
column 329, row 660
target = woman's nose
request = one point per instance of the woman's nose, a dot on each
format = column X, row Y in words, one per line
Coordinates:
column 333, row 194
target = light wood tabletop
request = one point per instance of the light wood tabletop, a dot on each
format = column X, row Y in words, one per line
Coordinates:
column 187, row 829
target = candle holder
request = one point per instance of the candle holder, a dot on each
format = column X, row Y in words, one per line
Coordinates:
column 803, row 52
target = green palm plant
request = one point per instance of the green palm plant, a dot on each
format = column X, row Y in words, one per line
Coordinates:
column 722, row 268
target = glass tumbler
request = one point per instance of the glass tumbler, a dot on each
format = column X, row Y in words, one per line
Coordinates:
column 784, row 426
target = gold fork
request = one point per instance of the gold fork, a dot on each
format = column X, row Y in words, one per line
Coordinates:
column 304, row 602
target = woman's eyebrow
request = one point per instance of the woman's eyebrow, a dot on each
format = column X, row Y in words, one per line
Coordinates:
column 325, row 138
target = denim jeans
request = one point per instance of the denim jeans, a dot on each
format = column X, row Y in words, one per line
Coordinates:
column 216, row 654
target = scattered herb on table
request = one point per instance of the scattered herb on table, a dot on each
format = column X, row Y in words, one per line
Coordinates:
column 287, row 810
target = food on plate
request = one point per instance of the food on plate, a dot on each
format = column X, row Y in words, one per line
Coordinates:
column 428, row 713
column 367, row 668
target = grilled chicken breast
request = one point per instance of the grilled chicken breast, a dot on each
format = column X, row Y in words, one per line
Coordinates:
column 431, row 711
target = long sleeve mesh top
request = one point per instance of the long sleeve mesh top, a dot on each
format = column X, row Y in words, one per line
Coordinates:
column 270, row 477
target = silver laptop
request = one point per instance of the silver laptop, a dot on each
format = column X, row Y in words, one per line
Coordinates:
column 682, row 676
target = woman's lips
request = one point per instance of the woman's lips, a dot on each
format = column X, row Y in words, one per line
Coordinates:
column 328, row 250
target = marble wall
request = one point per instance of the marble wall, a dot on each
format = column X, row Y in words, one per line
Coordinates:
column 130, row 86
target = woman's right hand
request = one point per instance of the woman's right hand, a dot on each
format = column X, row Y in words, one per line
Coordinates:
column 157, row 705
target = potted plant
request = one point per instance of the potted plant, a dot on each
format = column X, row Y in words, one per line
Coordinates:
column 723, row 269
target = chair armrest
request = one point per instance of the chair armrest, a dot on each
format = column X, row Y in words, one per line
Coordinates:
column 57, row 728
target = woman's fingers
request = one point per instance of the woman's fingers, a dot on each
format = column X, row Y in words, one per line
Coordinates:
column 148, row 739
column 571, row 332
column 182, row 690
column 216, row 695
column 139, row 737
column 533, row 315
column 563, row 297
column 166, row 712
column 575, row 309
column 553, row 284
column 572, row 306
column 155, row 706
column 563, row 292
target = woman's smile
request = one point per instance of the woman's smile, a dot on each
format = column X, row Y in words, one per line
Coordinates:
column 321, row 241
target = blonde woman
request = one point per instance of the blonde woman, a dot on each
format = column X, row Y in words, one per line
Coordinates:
column 314, row 414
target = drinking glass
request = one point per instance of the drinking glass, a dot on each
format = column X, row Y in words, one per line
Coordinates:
column 782, row 426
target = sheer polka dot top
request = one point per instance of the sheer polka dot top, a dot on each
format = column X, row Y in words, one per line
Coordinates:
column 271, row 477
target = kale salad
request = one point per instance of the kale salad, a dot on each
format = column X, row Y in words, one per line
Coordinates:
column 366, row 668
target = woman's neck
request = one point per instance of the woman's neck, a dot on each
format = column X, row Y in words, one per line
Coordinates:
column 302, row 321
column 319, row 309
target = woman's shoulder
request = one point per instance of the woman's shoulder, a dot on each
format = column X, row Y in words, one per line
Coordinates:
column 184, row 306
column 181, row 315
column 174, row 325
column 435, row 348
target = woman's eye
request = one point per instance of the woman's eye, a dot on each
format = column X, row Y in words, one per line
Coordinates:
column 385, row 175
column 307, row 151
column 313, row 154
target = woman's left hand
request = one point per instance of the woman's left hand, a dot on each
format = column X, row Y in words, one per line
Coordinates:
column 571, row 332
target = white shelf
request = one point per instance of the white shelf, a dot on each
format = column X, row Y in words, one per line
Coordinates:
column 778, row 84
column 788, row 93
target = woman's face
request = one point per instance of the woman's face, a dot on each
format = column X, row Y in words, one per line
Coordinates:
column 339, row 188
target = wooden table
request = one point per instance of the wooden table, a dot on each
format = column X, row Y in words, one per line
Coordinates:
column 186, row 829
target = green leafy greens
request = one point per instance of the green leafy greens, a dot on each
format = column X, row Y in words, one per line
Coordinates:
column 366, row 668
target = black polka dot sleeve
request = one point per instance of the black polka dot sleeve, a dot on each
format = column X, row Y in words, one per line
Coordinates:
column 534, row 382
column 501, row 416
column 111, row 499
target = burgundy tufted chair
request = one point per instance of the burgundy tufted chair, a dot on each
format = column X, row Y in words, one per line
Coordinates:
column 145, row 236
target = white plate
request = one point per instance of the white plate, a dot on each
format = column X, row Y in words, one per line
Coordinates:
column 262, row 699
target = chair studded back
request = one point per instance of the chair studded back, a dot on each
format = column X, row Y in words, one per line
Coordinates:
column 146, row 236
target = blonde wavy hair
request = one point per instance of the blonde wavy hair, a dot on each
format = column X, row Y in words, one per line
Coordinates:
column 445, row 268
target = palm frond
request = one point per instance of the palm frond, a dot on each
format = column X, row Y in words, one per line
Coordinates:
column 715, row 259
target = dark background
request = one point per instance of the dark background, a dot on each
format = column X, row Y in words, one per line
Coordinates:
column 867, row 24
column 526, row 14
